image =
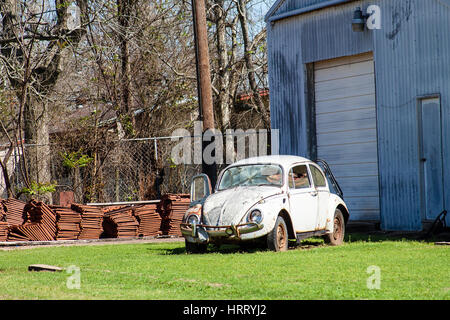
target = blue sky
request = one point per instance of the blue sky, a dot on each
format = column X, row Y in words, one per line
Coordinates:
column 261, row 7
column 258, row 10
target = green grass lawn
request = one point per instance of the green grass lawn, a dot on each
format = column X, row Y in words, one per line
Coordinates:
column 408, row 269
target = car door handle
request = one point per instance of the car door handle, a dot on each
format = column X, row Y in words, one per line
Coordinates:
column 313, row 193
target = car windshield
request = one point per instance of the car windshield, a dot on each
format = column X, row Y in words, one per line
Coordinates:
column 251, row 175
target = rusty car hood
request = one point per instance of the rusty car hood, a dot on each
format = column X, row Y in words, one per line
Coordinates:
column 228, row 206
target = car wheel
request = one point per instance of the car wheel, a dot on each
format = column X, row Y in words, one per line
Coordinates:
column 277, row 239
column 195, row 247
column 336, row 238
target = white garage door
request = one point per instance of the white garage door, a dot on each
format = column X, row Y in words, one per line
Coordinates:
column 346, row 130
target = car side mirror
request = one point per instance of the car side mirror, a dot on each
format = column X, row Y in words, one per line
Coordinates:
column 200, row 188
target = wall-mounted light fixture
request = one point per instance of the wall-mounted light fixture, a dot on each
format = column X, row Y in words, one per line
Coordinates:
column 359, row 20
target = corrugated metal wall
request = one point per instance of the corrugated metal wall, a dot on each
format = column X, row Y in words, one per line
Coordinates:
column 412, row 59
column 292, row 43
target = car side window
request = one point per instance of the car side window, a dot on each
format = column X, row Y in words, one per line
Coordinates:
column 298, row 178
column 318, row 177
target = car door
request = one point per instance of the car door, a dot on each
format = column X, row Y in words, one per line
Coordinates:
column 302, row 199
column 323, row 196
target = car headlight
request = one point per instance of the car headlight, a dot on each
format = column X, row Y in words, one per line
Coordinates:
column 255, row 216
column 193, row 219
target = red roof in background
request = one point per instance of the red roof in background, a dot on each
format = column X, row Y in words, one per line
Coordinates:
column 247, row 96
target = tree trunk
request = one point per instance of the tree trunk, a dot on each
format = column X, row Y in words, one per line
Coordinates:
column 125, row 116
column 223, row 98
column 224, row 75
column 37, row 149
column 3, row 165
column 77, row 185
column 242, row 8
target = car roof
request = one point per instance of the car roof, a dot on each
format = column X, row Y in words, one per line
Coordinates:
column 283, row 160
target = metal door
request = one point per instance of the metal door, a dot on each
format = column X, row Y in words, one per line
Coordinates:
column 431, row 158
column 346, row 129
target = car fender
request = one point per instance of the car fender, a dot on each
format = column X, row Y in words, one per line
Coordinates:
column 334, row 202
column 270, row 208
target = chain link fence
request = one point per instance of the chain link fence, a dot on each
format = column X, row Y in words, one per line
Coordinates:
column 127, row 170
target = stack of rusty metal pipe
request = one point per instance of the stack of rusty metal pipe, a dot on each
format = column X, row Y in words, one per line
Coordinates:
column 36, row 221
column 120, row 223
column 112, row 208
column 3, row 224
column 68, row 223
column 14, row 211
column 173, row 208
column 40, row 224
column 39, row 212
column 19, row 233
column 2, row 211
column 91, row 221
column 149, row 220
column 3, row 231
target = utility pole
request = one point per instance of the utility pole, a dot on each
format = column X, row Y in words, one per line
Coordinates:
column 204, row 80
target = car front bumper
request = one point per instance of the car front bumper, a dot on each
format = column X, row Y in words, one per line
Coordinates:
column 203, row 233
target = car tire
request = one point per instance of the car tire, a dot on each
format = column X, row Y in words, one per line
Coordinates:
column 277, row 239
column 336, row 238
column 195, row 247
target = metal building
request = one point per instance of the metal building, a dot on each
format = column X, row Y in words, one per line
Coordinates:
column 374, row 103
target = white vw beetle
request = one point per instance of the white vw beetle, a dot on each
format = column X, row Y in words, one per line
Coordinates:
column 270, row 198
